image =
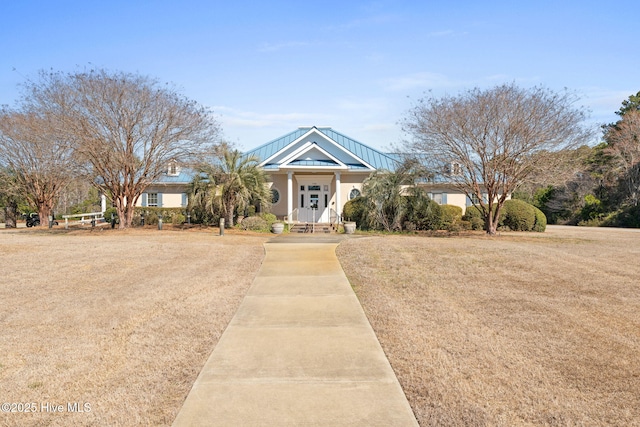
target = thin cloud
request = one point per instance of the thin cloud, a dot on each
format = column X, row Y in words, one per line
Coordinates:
column 416, row 81
column 238, row 118
column 274, row 47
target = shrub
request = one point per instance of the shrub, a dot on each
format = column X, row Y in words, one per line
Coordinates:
column 269, row 218
column 151, row 219
column 255, row 223
column 178, row 219
column 518, row 215
column 541, row 221
column 356, row 210
column 474, row 216
column 424, row 213
column 110, row 213
column 451, row 215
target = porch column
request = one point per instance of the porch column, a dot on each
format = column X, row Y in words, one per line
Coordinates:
column 338, row 206
column 289, row 195
column 103, row 203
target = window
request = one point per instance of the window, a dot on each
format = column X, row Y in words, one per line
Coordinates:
column 313, row 188
column 173, row 169
column 454, row 169
column 275, row 196
column 152, row 199
column 302, row 188
column 437, row 197
column 354, row 193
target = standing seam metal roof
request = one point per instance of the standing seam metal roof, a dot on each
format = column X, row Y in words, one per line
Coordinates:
column 371, row 156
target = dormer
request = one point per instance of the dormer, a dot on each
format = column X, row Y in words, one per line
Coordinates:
column 453, row 169
column 173, row 169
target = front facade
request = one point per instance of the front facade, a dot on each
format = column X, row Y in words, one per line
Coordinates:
column 313, row 172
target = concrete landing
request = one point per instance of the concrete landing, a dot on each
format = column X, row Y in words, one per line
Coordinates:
column 299, row 351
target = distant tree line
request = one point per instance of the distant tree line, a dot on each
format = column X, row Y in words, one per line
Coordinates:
column 602, row 185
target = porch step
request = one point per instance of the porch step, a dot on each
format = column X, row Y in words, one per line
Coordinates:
column 312, row 228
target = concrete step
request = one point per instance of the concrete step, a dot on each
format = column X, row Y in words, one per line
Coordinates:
column 311, row 228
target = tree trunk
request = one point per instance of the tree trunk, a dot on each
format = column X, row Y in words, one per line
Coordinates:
column 44, row 210
column 229, row 219
column 11, row 215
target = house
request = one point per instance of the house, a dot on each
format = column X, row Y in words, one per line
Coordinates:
column 313, row 172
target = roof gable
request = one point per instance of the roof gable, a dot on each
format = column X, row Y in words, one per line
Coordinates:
column 324, row 148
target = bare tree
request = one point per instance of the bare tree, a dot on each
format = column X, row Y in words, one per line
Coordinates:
column 623, row 139
column 9, row 197
column 124, row 128
column 487, row 142
column 40, row 160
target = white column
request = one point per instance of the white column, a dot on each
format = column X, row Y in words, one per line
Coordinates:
column 338, row 205
column 289, row 195
column 103, row 203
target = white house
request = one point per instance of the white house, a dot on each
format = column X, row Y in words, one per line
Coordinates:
column 313, row 172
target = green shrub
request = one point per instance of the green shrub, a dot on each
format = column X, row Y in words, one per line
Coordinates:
column 541, row 221
column 151, row 219
column 356, row 210
column 110, row 213
column 451, row 215
column 178, row 219
column 254, row 223
column 424, row 213
column 518, row 215
column 269, row 218
column 474, row 216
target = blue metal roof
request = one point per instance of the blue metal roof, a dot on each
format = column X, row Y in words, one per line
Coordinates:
column 184, row 177
column 369, row 155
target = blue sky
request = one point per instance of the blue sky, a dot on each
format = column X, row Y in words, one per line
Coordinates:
column 266, row 68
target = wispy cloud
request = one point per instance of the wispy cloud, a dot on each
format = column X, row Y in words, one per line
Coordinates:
column 250, row 119
column 444, row 33
column 274, row 47
column 423, row 80
column 368, row 21
column 364, row 105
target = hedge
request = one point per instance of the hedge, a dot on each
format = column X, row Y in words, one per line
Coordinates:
column 516, row 215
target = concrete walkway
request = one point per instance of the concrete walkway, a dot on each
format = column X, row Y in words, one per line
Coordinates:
column 299, row 351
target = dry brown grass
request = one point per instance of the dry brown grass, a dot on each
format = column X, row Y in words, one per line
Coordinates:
column 522, row 329
column 121, row 320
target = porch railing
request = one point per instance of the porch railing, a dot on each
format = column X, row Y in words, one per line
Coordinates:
column 293, row 216
column 334, row 218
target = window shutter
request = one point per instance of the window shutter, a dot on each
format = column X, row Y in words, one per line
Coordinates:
column 159, row 200
column 444, row 198
column 184, row 200
column 144, row 199
column 469, row 201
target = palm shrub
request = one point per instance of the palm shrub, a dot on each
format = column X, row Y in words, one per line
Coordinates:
column 230, row 185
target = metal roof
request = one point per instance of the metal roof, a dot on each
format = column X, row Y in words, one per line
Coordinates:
column 373, row 157
column 184, row 177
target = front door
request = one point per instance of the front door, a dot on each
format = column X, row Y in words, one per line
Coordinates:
column 313, row 203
